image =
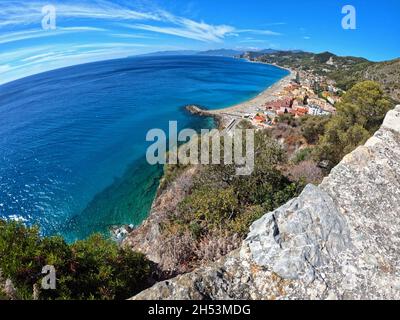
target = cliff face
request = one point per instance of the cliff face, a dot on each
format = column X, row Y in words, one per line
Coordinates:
column 339, row 240
column 147, row 237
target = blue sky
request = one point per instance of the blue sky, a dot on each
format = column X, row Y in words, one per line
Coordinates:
column 98, row 29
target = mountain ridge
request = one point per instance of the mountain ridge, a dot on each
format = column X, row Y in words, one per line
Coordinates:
column 346, row 71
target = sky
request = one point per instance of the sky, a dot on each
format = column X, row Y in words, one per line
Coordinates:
column 86, row 31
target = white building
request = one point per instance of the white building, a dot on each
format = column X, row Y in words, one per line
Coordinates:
column 317, row 111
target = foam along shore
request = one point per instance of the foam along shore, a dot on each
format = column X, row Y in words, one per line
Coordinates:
column 228, row 115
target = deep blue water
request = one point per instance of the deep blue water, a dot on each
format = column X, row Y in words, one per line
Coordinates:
column 72, row 141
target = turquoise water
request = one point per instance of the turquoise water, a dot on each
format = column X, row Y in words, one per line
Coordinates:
column 72, row 141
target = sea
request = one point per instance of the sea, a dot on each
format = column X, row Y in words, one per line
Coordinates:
column 73, row 140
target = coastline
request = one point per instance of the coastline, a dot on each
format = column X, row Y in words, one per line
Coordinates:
column 227, row 115
column 148, row 235
column 224, row 118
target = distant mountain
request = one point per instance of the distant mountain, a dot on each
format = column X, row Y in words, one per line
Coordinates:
column 222, row 53
column 268, row 51
column 218, row 52
column 171, row 53
column 346, row 71
column 257, row 54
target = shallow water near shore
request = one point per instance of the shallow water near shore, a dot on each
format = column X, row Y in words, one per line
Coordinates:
column 72, row 141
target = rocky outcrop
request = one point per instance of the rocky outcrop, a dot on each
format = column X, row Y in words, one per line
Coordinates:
column 193, row 109
column 339, row 240
column 221, row 120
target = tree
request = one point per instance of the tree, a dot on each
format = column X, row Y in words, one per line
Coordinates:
column 365, row 104
column 353, row 137
column 359, row 115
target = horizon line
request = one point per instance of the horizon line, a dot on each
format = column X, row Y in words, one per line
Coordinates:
column 196, row 52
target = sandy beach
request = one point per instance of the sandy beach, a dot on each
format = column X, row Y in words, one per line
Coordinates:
column 225, row 116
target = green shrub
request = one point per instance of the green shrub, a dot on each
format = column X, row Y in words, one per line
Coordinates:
column 95, row 268
column 209, row 207
column 302, row 155
column 221, row 201
column 313, row 127
column 359, row 115
column 288, row 119
column 243, row 221
column 171, row 172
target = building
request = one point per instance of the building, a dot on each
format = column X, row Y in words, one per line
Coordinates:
column 259, row 119
column 315, row 110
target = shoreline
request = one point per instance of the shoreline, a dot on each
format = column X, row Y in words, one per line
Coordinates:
column 226, row 115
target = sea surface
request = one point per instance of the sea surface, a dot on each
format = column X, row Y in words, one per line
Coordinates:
column 73, row 140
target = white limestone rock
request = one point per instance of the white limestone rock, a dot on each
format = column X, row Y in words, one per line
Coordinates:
column 339, row 240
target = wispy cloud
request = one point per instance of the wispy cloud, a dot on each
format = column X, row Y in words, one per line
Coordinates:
column 112, row 45
column 21, row 53
column 191, row 30
column 29, row 12
column 259, row 32
column 79, row 29
column 130, row 36
column 22, row 13
column 39, row 33
column 4, row 68
column 61, row 58
column 114, row 39
column 185, row 28
column 38, row 56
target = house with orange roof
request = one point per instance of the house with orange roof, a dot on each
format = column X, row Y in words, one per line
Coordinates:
column 259, row 119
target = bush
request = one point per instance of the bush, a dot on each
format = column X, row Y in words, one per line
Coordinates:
column 302, row 155
column 209, row 208
column 242, row 223
column 95, row 268
column 359, row 115
column 221, row 200
column 306, row 172
column 288, row 119
column 313, row 127
column 220, row 206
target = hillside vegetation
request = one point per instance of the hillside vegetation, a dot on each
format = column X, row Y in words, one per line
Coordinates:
column 219, row 206
column 388, row 74
column 95, row 268
column 359, row 115
column 213, row 214
column 346, row 71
